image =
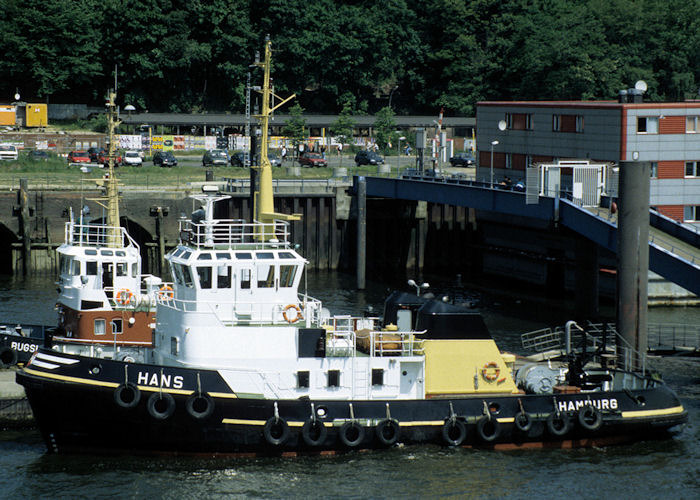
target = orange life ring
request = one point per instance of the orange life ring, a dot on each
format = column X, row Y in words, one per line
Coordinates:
column 490, row 371
column 297, row 315
column 166, row 292
column 124, row 297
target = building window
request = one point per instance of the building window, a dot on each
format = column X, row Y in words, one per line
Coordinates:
column 692, row 124
column 99, row 328
column 579, row 124
column 567, row 123
column 509, row 160
column 556, row 123
column 377, row 376
column 692, row 169
column 647, row 124
column 519, row 121
column 691, row 213
column 303, row 379
column 333, row 378
column 654, row 171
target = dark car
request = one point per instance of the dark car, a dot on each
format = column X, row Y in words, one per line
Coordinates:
column 78, row 157
column 38, row 155
column 238, row 159
column 94, row 153
column 312, row 160
column 164, row 159
column 365, row 157
column 215, row 157
column 462, row 160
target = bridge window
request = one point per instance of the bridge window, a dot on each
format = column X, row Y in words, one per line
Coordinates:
column 99, row 327
column 691, row 213
column 265, row 275
column 223, row 277
column 287, row 274
column 177, row 274
column 647, row 124
column 692, row 169
column 187, row 277
column 204, row 277
column 286, row 255
column 122, row 269
column 120, row 253
column 244, row 255
column 134, row 270
column 245, row 278
column 204, row 256
column 75, row 268
column 91, row 268
column 223, row 256
column 116, row 325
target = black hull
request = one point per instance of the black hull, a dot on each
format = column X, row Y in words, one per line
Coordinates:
column 15, row 348
column 79, row 411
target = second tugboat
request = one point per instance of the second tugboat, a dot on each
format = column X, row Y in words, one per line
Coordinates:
column 244, row 363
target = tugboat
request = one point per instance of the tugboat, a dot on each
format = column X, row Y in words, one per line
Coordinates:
column 106, row 307
column 243, row 363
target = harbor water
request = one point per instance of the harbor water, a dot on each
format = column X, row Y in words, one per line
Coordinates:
column 651, row 469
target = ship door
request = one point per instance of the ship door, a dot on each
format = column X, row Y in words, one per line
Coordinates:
column 243, row 307
column 108, row 278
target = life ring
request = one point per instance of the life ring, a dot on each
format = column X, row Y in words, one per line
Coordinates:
column 166, row 292
column 127, row 395
column 276, row 431
column 522, row 421
column 313, row 432
column 388, row 431
column 297, row 315
column 454, row 432
column 558, row 424
column 199, row 406
column 161, row 405
column 490, row 371
column 351, row 434
column 124, row 297
column 8, row 357
column 489, row 428
column 590, row 418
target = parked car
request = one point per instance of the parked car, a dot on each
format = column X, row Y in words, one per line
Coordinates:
column 312, row 160
column 78, row 157
column 164, row 159
column 215, row 157
column 463, row 160
column 133, row 158
column 365, row 157
column 8, row 152
column 238, row 159
column 103, row 158
column 94, row 153
column 38, row 155
column 275, row 160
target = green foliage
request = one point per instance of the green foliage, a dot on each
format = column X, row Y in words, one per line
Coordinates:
column 295, row 128
column 384, row 127
column 343, row 127
column 193, row 56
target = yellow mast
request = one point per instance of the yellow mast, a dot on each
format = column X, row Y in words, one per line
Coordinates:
column 264, row 199
column 110, row 182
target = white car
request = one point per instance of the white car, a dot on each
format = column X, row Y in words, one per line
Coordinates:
column 8, row 152
column 132, row 158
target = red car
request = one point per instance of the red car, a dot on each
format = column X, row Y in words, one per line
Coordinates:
column 103, row 158
column 78, row 157
column 312, row 160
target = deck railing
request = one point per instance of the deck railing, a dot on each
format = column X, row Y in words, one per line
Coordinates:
column 235, row 233
column 95, row 235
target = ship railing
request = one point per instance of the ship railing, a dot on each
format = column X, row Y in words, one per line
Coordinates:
column 235, row 233
column 95, row 235
column 344, row 339
column 601, row 338
column 144, row 297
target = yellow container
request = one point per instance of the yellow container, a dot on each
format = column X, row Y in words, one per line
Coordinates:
column 37, row 115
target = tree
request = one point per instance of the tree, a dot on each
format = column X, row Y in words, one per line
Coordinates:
column 384, row 127
column 295, row 128
column 343, row 128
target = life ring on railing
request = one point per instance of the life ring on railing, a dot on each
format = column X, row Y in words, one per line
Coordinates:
column 490, row 371
column 297, row 315
column 166, row 292
column 124, row 297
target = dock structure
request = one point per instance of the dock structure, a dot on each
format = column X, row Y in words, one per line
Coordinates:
column 14, row 408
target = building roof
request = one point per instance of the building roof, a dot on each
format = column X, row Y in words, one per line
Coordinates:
column 593, row 104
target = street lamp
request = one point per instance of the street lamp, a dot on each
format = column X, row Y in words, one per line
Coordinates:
column 398, row 156
column 418, row 287
column 493, row 143
column 391, row 94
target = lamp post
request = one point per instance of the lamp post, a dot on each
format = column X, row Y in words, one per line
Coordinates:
column 493, row 143
column 391, row 94
column 398, row 156
column 418, row 287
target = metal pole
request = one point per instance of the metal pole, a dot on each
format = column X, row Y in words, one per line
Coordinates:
column 361, row 231
column 633, row 257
